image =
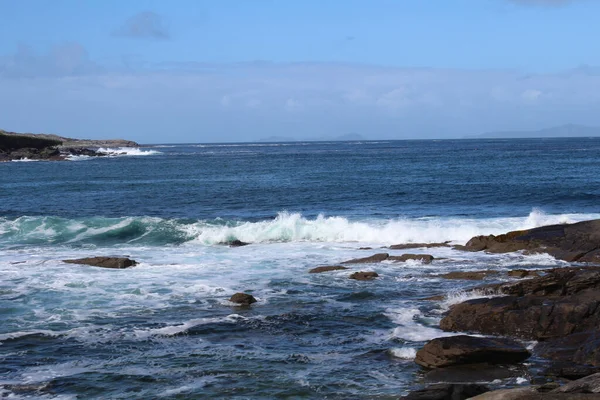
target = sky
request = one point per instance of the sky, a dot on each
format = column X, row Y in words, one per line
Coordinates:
column 241, row 70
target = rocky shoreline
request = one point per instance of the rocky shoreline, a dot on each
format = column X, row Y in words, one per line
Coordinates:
column 550, row 315
column 21, row 146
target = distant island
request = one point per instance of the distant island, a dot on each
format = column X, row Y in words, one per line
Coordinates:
column 341, row 138
column 566, row 131
column 29, row 146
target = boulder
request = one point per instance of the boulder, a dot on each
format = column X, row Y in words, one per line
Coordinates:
column 589, row 384
column 577, row 349
column 405, row 246
column 105, row 262
column 328, row 268
column 569, row 370
column 424, row 258
column 364, row 276
column 468, row 275
column 481, row 372
column 557, row 282
column 464, row 349
column 445, row 391
column 569, row 242
column 528, row 317
column 243, row 299
column 375, row 258
column 237, row 243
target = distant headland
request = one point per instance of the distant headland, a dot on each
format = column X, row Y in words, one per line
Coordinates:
column 28, row 146
column 562, row 131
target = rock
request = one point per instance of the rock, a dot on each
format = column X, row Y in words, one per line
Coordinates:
column 578, row 349
column 364, row 276
column 237, row 243
column 569, row 242
column 446, row 391
column 375, row 258
column 522, row 273
column 424, row 258
column 468, row 275
column 482, row 372
column 242, row 299
column 523, row 393
column 105, row 262
column 464, row 349
column 557, row 282
column 569, row 370
column 528, row 317
column 318, row 270
column 589, row 384
column 418, row 245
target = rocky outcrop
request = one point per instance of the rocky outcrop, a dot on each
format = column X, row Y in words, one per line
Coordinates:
column 375, row 258
column 405, row 246
column 364, row 276
column 589, row 384
column 327, row 268
column 522, row 273
column 468, row 275
column 464, row 349
column 569, row 242
column 105, row 262
column 243, row 299
column 581, row 348
column 237, row 243
column 445, row 391
column 424, row 258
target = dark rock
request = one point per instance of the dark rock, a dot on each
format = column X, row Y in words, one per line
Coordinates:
column 80, row 151
column 105, row 262
column 318, row 270
column 569, row 242
column 418, row 245
column 463, row 349
column 468, row 275
column 237, row 243
column 589, row 384
column 375, row 258
column 447, row 392
column 365, row 248
column 364, row 276
column 557, row 282
column 531, row 393
column 424, row 258
column 528, row 317
column 523, row 273
column 482, row 372
column 569, row 370
column 579, row 349
column 242, row 299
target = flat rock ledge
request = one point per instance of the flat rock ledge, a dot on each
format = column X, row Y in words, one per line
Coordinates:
column 242, row 299
column 326, row 268
column 445, row 391
column 104, row 262
column 379, row 257
column 464, row 349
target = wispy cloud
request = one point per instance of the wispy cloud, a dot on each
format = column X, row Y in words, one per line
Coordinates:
column 144, row 25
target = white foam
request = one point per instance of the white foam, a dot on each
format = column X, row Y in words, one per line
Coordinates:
column 183, row 327
column 127, row 151
column 25, row 159
column 405, row 353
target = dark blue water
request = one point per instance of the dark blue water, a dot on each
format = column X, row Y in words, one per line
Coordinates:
column 165, row 329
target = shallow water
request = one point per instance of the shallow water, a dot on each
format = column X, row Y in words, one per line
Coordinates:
column 165, row 329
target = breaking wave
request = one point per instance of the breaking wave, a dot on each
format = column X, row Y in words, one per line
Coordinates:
column 286, row 227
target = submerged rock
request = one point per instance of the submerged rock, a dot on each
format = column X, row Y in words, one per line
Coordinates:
column 375, row 258
column 364, row 276
column 424, row 258
column 446, row 391
column 405, row 246
column 105, row 262
column 237, row 243
column 242, row 299
column 464, row 349
column 328, row 268
column 468, row 275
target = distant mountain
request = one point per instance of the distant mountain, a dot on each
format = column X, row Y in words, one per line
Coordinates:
column 569, row 130
column 346, row 137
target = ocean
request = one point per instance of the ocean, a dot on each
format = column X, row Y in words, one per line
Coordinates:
column 165, row 328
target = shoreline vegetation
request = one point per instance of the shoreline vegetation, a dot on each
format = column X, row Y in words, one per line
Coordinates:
column 28, row 146
column 551, row 314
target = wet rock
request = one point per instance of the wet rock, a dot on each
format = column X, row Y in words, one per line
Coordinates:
column 464, row 349
column 569, row 370
column 242, row 299
column 557, row 282
column 522, row 273
column 528, row 317
column 589, row 384
column 237, row 243
column 328, row 268
column 468, row 275
column 424, row 258
column 405, row 246
column 579, row 349
column 568, row 242
column 375, row 258
column 364, row 276
column 481, row 372
column 447, row 392
column 105, row 262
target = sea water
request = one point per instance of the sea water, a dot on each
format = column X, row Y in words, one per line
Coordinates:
column 165, row 328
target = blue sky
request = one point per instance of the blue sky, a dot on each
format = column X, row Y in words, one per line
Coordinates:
column 236, row 70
